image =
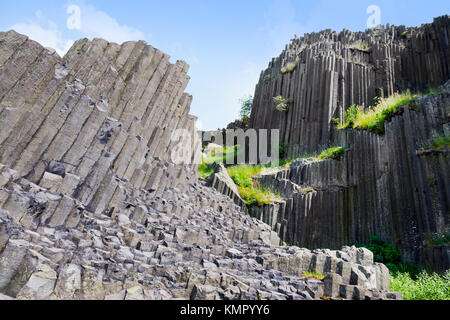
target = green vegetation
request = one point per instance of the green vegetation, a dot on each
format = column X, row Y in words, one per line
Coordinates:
column 256, row 196
column 411, row 280
column 205, row 170
column 221, row 154
column 282, row 151
column 360, row 45
column 281, row 104
column 246, row 108
column 438, row 239
column 350, row 117
column 242, row 174
column 216, row 155
column 332, row 153
column 290, row 66
column 284, row 244
column 382, row 251
column 425, row 287
column 306, row 190
column 404, row 34
column 313, row 274
column 374, row 118
column 438, row 142
column 251, row 192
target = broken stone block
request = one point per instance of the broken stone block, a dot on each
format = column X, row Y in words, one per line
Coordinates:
column 51, row 181
column 332, row 284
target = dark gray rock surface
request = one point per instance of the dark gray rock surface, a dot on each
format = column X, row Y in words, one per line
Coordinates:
column 386, row 185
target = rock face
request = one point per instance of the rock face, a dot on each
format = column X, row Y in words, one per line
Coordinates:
column 92, row 205
column 222, row 182
column 101, row 114
column 385, row 185
column 322, row 74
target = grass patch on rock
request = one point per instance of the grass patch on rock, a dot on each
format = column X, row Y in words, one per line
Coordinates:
column 439, row 142
column 374, row 118
column 205, row 170
column 426, row 286
column 251, row 192
column 332, row 153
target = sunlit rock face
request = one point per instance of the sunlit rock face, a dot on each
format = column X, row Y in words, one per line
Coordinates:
column 384, row 184
column 94, row 206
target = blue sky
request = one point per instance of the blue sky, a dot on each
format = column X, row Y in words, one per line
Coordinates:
column 226, row 43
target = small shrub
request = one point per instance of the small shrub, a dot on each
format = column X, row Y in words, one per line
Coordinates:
column 412, row 269
column 281, row 104
column 251, row 193
column 205, row 170
column 382, row 251
column 291, row 66
column 332, row 153
column 352, row 113
column 246, row 108
column 425, row 287
column 360, row 45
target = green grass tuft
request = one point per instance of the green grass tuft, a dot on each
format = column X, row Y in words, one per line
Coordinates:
column 438, row 142
column 438, row 239
column 332, row 153
column 313, row 274
column 205, row 170
column 374, row 118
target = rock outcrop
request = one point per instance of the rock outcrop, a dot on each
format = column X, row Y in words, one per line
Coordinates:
column 93, row 206
column 322, row 74
column 385, row 185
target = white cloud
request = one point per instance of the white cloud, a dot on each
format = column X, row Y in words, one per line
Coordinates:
column 98, row 24
column 45, row 32
column 93, row 24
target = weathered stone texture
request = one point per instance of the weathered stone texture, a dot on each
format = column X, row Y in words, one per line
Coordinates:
column 384, row 186
column 335, row 70
column 92, row 205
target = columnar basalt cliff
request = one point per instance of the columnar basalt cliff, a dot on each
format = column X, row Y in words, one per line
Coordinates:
column 322, row 74
column 94, row 206
column 102, row 113
column 384, row 184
